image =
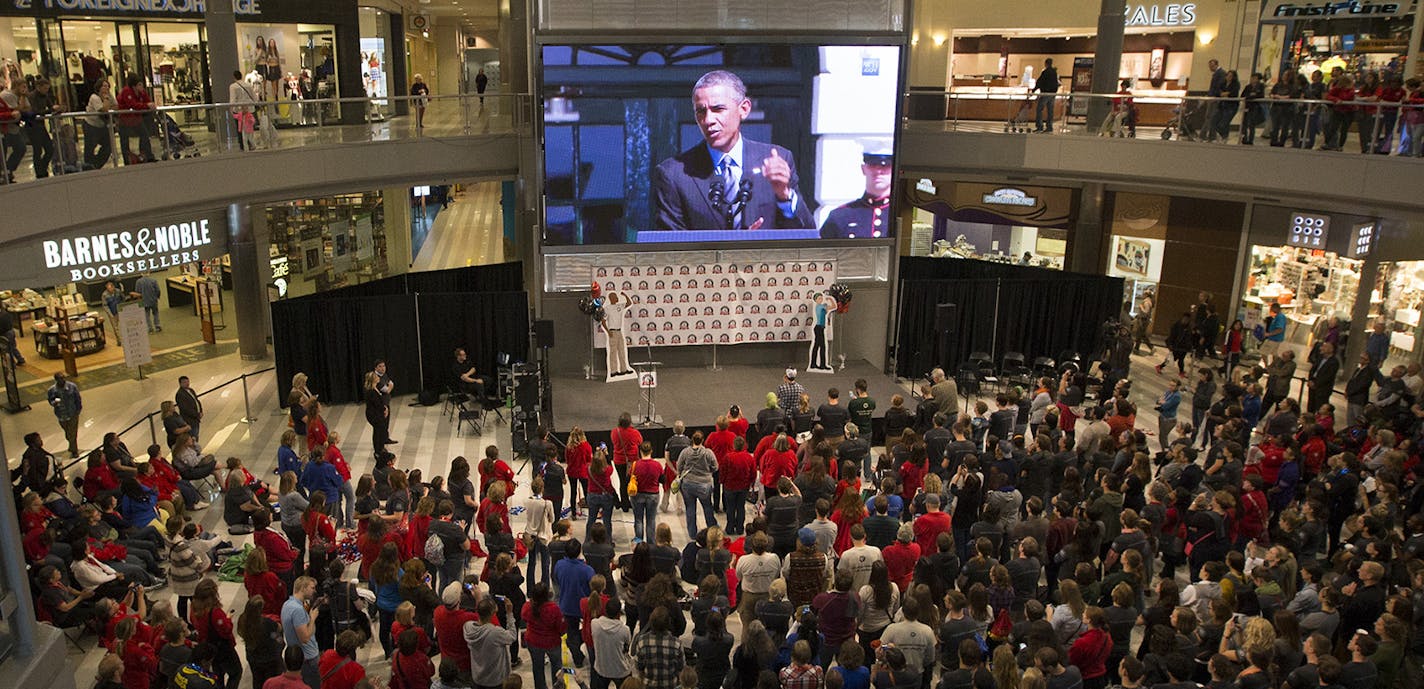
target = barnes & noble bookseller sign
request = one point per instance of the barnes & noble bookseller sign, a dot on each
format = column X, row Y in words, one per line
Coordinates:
column 90, row 257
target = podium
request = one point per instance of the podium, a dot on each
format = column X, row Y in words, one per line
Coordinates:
column 647, row 393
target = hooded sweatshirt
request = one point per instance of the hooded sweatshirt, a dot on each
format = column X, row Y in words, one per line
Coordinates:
column 612, row 641
column 489, row 651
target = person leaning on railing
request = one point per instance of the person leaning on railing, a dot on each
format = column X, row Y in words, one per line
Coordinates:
column 98, row 144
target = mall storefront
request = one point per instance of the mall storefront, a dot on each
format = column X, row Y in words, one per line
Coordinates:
column 1026, row 225
column 1358, row 270
column 1292, row 37
column 1171, row 248
column 288, row 51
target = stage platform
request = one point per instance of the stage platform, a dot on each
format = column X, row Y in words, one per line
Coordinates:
column 697, row 395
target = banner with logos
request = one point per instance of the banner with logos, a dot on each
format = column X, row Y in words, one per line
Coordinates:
column 45, row 261
column 716, row 303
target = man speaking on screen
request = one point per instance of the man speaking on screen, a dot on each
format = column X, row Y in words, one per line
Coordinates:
column 727, row 182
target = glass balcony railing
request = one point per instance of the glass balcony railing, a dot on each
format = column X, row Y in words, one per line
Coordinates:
column 78, row 142
column 1363, row 126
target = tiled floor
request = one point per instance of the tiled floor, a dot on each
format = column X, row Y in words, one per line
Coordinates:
column 428, row 442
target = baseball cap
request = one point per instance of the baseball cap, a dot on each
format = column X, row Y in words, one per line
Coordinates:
column 791, row 373
column 451, row 594
column 906, row 534
column 806, row 536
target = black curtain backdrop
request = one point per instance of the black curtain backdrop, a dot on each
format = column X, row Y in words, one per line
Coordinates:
column 500, row 277
column 483, row 323
column 336, row 341
column 1039, row 312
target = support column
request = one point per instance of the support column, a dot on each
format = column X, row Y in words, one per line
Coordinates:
column 1360, row 314
column 396, row 201
column 1416, row 34
column 221, row 25
column 1107, row 59
column 249, row 295
column 1085, row 248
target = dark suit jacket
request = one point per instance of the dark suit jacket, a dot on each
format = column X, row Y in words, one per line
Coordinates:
column 1357, row 389
column 189, row 406
column 1323, row 374
column 682, row 188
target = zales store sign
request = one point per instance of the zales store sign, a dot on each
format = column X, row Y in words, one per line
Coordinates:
column 109, row 255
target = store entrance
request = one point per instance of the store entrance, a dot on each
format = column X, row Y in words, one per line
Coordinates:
column 83, row 316
column 170, row 58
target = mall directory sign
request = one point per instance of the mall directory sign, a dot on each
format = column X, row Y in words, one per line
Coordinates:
column 733, row 143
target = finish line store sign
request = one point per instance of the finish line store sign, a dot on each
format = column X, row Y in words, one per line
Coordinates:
column 108, row 255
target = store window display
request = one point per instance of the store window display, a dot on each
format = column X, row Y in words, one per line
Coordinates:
column 1310, row 286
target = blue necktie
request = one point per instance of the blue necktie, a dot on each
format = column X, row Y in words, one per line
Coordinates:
column 726, row 168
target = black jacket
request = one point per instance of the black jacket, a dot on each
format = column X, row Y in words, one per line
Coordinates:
column 1357, row 389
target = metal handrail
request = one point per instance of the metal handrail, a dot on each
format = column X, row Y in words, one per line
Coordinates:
column 1266, row 99
column 153, row 432
column 270, row 103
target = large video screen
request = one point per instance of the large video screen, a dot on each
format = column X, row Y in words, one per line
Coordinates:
column 648, row 144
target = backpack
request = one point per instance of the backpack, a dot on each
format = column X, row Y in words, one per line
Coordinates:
column 434, row 550
column 1002, row 626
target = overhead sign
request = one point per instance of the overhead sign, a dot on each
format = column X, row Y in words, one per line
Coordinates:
column 1169, row 14
column 1332, row 9
column 86, row 257
column 194, row 7
column 1309, row 230
column 1009, row 196
column 1364, row 236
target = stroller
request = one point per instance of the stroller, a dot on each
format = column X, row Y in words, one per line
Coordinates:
column 177, row 141
column 1188, row 121
column 1020, row 112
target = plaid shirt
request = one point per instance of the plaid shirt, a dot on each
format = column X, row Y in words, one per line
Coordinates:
column 802, row 677
column 788, row 396
column 659, row 658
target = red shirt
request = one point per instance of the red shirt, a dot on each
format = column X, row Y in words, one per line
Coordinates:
column 601, row 484
column 720, row 443
column 487, row 508
column 336, row 459
column 344, row 678
column 843, row 523
column 319, row 526
column 578, row 457
column 738, row 426
column 215, row 624
column 271, row 588
column 499, row 471
column 928, row 527
column 649, row 473
column 280, row 553
column 775, row 464
column 900, row 559
column 544, row 626
column 418, row 531
column 738, row 471
column 763, row 446
column 316, row 432
column 1090, row 653
column 140, row 664
column 412, row 671
column 450, row 634
column 99, row 479
column 912, row 476
column 423, row 645
column 625, row 444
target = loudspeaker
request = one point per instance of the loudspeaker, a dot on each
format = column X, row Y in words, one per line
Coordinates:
column 526, row 392
column 946, row 317
column 544, row 334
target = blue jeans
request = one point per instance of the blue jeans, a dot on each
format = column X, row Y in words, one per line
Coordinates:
column 348, row 504
column 600, row 503
column 693, row 493
column 556, row 663
column 1045, row 102
column 538, row 552
column 453, row 569
column 645, row 510
column 735, row 502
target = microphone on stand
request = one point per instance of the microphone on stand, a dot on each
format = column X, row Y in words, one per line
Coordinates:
column 738, row 205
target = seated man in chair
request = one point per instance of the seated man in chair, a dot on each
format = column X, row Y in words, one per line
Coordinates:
column 466, row 380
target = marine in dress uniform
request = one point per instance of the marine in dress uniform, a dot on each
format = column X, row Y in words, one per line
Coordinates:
column 869, row 215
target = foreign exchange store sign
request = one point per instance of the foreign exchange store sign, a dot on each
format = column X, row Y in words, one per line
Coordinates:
column 87, row 257
column 160, row 7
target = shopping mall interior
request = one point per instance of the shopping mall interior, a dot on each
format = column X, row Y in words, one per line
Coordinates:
column 1004, row 190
